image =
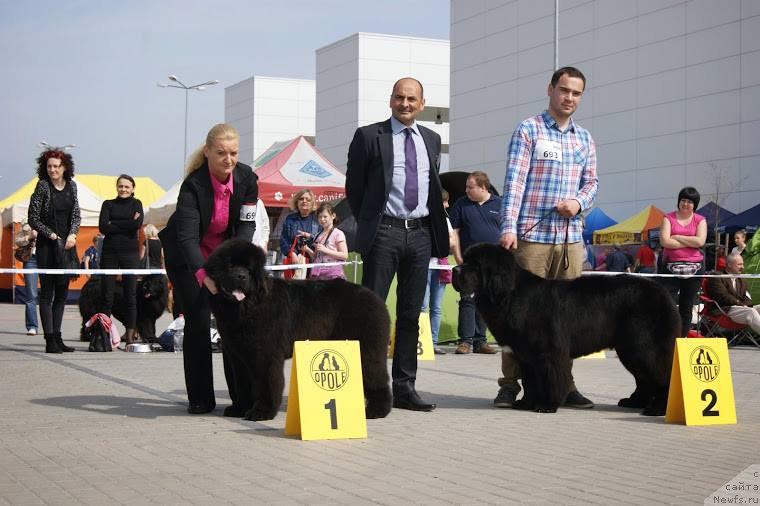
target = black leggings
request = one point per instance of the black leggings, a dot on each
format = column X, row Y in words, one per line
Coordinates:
column 684, row 294
column 54, row 288
column 115, row 259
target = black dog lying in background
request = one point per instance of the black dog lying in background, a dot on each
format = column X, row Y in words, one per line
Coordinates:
column 152, row 295
column 548, row 322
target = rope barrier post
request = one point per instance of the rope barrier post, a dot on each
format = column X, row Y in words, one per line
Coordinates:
column 355, row 262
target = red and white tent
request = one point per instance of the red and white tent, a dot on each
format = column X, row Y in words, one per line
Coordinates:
column 289, row 166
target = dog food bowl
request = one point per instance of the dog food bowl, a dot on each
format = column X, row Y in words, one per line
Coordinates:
column 138, row 348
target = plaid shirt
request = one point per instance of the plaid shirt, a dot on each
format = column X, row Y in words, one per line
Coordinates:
column 536, row 180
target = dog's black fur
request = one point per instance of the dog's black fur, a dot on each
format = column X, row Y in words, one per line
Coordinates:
column 152, row 293
column 258, row 331
column 548, row 322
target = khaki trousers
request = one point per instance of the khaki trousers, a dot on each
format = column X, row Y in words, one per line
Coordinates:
column 545, row 260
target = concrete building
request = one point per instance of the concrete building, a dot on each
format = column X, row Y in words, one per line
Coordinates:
column 265, row 110
column 355, row 76
column 673, row 91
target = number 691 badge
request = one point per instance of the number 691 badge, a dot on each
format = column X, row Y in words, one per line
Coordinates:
column 701, row 388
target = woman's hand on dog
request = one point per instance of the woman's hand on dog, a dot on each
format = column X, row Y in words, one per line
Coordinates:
column 210, row 285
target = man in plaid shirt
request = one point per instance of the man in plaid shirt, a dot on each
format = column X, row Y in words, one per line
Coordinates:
column 550, row 179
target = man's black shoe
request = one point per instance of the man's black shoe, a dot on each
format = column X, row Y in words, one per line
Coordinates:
column 198, row 408
column 411, row 401
column 576, row 400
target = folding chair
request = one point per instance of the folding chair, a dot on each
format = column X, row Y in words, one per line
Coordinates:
column 714, row 322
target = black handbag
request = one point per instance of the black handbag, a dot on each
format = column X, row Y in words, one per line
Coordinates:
column 24, row 253
column 100, row 339
column 66, row 258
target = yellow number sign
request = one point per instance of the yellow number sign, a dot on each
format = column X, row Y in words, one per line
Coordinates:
column 424, row 342
column 326, row 396
column 701, row 389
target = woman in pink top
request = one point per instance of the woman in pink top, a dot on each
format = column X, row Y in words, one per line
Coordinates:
column 682, row 234
column 217, row 200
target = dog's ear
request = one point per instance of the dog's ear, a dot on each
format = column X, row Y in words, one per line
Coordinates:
column 497, row 271
column 256, row 263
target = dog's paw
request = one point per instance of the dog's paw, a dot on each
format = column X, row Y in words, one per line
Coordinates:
column 632, row 402
column 523, row 405
column 234, row 411
column 259, row 413
column 377, row 410
column 545, row 409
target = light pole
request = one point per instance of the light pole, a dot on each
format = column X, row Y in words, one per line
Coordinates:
column 176, row 83
column 45, row 145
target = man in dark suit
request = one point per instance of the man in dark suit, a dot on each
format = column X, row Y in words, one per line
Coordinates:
column 731, row 294
column 394, row 193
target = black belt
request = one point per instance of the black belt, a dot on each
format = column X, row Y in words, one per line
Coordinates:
column 405, row 223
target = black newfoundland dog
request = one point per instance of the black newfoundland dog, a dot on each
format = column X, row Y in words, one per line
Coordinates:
column 259, row 317
column 548, row 322
column 152, row 294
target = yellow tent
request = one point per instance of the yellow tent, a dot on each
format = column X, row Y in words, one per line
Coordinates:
column 104, row 187
column 633, row 230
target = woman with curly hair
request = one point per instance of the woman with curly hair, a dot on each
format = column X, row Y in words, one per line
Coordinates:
column 54, row 214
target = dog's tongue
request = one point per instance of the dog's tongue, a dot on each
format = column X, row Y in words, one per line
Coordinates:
column 239, row 295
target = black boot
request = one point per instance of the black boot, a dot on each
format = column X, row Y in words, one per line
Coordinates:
column 59, row 342
column 51, row 346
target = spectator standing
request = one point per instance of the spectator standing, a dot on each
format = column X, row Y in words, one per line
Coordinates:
column 91, row 257
column 120, row 219
column 329, row 245
column 645, row 260
column 550, row 178
column 302, row 219
column 394, row 192
column 437, row 281
column 26, row 239
column 151, row 250
column 617, row 261
column 217, row 200
column 475, row 218
column 682, row 234
column 740, row 238
column 54, row 214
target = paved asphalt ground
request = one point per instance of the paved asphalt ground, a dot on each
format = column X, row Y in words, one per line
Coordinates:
column 112, row 428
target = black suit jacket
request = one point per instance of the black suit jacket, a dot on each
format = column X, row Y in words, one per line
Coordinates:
column 188, row 224
column 368, row 183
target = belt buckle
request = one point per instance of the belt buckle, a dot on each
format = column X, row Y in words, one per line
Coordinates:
column 407, row 223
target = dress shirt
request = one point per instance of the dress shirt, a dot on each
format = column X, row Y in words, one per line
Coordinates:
column 535, row 184
column 395, row 205
column 219, row 221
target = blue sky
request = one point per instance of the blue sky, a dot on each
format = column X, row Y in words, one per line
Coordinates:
column 85, row 72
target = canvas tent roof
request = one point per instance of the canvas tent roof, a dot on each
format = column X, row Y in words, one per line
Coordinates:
column 749, row 219
column 632, row 230
column 89, row 205
column 159, row 212
column 708, row 211
column 292, row 165
column 595, row 220
column 103, row 187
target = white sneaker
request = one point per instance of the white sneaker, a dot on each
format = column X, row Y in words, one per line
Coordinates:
column 31, row 332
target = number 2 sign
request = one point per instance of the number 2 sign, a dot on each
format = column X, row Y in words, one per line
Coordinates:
column 701, row 389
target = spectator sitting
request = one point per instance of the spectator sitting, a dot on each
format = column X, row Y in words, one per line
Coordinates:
column 720, row 255
column 732, row 294
column 645, row 261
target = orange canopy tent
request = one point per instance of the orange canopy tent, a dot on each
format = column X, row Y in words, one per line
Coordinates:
column 633, row 230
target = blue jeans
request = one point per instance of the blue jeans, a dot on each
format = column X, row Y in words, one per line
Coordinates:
column 471, row 326
column 30, row 289
column 434, row 300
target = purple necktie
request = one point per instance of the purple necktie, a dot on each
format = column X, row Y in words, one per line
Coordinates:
column 410, row 169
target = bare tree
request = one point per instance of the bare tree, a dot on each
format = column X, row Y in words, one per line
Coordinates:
column 723, row 185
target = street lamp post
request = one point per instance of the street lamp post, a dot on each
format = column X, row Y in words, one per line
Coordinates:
column 176, row 83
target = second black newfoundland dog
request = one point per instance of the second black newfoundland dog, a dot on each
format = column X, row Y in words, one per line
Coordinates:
column 259, row 317
column 152, row 295
column 548, row 322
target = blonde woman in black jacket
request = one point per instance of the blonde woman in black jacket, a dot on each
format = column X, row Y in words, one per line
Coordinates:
column 54, row 214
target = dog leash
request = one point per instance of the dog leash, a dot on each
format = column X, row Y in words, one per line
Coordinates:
column 565, row 244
